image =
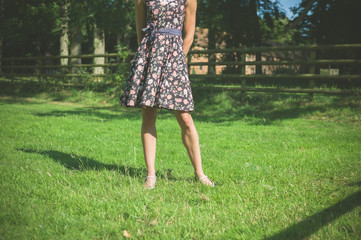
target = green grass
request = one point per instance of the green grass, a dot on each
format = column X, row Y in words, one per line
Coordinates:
column 72, row 168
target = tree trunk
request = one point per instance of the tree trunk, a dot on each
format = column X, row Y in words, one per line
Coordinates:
column 64, row 37
column 99, row 48
column 211, row 45
column 235, row 33
column 75, row 47
column 1, row 30
column 128, row 29
column 126, row 36
column 320, row 37
column 256, row 33
column 119, row 41
column 308, row 4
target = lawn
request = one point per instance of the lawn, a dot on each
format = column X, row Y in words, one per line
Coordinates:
column 72, row 167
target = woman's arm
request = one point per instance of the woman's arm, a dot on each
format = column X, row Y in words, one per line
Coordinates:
column 189, row 27
column 140, row 19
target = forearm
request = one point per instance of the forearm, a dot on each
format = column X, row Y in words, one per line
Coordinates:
column 189, row 25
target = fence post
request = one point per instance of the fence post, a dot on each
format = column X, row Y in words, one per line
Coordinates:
column 106, row 61
column 243, row 80
column 12, row 63
column 37, row 68
column 68, row 69
column 312, row 71
column 12, row 69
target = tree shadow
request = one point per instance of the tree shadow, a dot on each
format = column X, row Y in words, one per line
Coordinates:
column 264, row 108
column 260, row 110
column 82, row 163
column 103, row 114
column 24, row 87
column 15, row 100
column 211, row 105
column 355, row 184
column 255, row 115
column 106, row 113
column 268, row 116
column 313, row 223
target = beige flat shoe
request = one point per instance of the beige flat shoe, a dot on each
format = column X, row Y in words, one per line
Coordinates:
column 203, row 177
column 151, row 186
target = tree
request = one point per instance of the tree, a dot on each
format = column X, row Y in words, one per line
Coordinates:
column 1, row 30
column 64, row 32
column 327, row 21
column 210, row 15
column 99, row 48
column 303, row 10
column 97, row 15
column 29, row 28
column 77, row 18
column 123, row 23
column 273, row 31
column 245, row 29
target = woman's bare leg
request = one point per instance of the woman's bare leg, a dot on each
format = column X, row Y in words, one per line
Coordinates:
column 149, row 140
column 191, row 142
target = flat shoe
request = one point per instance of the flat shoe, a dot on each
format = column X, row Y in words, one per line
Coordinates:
column 152, row 186
column 203, row 177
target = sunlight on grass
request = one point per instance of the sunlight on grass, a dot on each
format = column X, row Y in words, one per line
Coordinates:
column 284, row 168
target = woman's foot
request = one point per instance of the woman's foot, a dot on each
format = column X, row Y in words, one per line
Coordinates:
column 150, row 182
column 205, row 180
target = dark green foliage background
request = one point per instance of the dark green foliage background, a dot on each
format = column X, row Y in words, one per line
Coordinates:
column 33, row 27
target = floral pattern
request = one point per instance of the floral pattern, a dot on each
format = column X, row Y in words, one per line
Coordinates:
column 159, row 76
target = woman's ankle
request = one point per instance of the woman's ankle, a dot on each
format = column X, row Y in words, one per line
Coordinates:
column 151, row 173
column 199, row 173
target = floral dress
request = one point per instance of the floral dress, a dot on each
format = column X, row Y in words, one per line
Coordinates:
column 159, row 75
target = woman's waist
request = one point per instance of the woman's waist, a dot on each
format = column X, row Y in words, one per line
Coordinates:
column 151, row 29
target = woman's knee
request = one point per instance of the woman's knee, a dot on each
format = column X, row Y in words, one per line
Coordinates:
column 149, row 116
column 185, row 120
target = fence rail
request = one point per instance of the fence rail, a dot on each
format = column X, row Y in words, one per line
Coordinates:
column 306, row 69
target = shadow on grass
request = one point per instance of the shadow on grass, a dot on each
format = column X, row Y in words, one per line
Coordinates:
column 355, row 184
column 305, row 228
column 256, row 115
column 267, row 108
column 82, row 163
column 262, row 109
column 210, row 105
column 105, row 113
column 15, row 100
column 101, row 113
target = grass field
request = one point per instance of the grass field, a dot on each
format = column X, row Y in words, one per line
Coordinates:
column 72, row 167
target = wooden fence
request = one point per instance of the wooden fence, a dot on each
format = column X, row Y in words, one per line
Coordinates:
column 331, row 69
column 49, row 66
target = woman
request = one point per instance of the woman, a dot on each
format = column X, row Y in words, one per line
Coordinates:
column 159, row 76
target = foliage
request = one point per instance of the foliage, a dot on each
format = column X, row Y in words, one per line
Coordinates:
column 273, row 31
column 329, row 22
column 33, row 27
column 122, row 69
column 29, row 28
column 117, row 80
column 259, row 24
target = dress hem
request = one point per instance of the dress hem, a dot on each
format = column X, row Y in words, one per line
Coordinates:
column 155, row 106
